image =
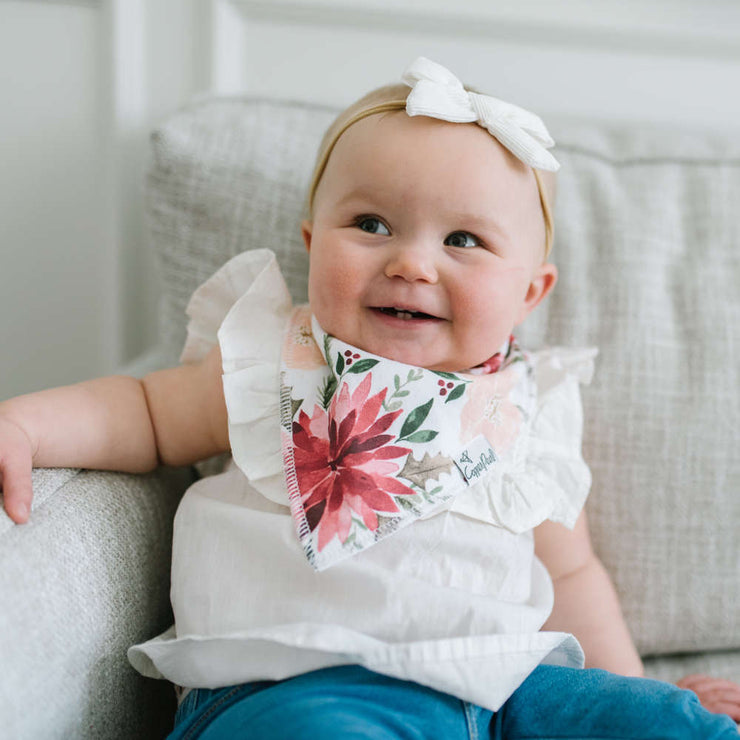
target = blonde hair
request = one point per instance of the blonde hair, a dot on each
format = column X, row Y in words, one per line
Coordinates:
column 388, row 99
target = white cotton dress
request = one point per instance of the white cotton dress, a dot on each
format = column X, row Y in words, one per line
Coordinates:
column 454, row 601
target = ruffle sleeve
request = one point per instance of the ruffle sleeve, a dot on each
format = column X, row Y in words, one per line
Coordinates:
column 547, row 478
column 244, row 308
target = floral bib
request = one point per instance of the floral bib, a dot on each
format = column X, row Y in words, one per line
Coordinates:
column 371, row 445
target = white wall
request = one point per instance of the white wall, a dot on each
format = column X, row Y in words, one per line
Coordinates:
column 83, row 81
column 51, row 294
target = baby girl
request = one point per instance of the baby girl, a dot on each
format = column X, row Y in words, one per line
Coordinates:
column 398, row 547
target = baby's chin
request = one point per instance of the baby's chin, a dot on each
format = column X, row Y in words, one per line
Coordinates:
column 450, row 362
column 429, row 355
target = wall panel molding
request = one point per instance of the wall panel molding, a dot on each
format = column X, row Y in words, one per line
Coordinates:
column 660, row 61
column 124, row 74
column 81, row 3
column 710, row 28
column 225, row 26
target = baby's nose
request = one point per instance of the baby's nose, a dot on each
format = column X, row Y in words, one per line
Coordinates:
column 412, row 260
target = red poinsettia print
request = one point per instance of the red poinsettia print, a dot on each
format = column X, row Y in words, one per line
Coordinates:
column 343, row 459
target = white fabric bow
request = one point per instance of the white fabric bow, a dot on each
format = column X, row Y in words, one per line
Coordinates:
column 437, row 93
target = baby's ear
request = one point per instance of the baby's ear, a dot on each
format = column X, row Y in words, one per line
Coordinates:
column 543, row 282
column 306, row 233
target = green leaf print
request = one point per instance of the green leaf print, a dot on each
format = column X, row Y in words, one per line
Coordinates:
column 327, row 390
column 362, row 366
column 340, row 364
column 446, row 376
column 415, row 419
column 404, row 503
column 425, row 435
column 456, row 392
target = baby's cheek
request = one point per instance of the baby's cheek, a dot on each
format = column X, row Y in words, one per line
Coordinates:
column 490, row 321
column 329, row 304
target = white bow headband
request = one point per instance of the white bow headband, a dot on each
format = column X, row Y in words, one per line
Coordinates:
column 437, row 93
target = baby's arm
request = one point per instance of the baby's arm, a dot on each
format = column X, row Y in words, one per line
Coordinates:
column 586, row 603
column 587, row 606
column 174, row 417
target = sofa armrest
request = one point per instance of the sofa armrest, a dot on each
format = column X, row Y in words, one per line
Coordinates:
column 87, row 577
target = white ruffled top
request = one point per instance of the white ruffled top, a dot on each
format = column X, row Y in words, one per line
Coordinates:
column 456, row 601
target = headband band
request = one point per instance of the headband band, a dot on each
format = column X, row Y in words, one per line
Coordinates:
column 318, row 172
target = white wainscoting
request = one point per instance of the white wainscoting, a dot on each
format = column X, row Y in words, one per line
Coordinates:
column 661, row 61
column 83, row 82
column 55, row 276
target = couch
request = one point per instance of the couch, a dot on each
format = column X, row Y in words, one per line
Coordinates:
column 648, row 248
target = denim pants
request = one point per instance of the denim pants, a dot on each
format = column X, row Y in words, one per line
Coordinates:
column 354, row 703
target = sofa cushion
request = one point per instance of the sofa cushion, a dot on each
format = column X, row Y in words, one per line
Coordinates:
column 87, row 577
column 649, row 234
column 721, row 664
column 647, row 237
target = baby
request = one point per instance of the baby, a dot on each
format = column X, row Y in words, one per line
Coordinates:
column 386, row 555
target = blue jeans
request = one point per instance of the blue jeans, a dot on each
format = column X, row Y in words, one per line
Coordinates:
column 352, row 703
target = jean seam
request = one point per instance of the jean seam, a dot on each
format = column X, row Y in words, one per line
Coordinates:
column 199, row 722
column 470, row 721
column 187, row 706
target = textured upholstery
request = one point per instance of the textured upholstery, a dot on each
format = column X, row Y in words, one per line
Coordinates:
column 86, row 578
column 648, row 250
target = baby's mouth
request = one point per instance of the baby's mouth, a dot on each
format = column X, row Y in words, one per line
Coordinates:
column 401, row 313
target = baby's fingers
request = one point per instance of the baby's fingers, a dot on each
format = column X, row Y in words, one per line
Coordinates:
column 716, row 694
column 15, row 479
column 718, row 706
column 699, row 682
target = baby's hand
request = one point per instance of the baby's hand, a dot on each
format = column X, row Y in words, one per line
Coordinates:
column 16, row 461
column 716, row 694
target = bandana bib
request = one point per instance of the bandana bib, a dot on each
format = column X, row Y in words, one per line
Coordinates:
column 371, row 445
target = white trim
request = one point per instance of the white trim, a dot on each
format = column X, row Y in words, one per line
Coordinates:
column 125, row 113
column 686, row 27
column 81, row 3
column 129, row 64
column 224, row 29
column 203, row 48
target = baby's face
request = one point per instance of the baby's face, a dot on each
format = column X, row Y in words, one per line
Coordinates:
column 427, row 242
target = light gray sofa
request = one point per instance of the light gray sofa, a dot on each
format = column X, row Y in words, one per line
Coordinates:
column 648, row 246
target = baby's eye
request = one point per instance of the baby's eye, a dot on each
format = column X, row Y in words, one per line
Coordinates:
column 461, row 239
column 372, row 225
